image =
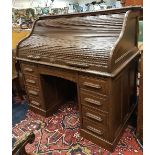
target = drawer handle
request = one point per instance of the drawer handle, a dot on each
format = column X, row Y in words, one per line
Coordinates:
column 79, row 65
column 34, row 57
column 30, row 81
column 33, row 92
column 35, row 103
column 94, row 117
column 92, row 85
column 93, row 101
column 28, row 69
column 94, row 130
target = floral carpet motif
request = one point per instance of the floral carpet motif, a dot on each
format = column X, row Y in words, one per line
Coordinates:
column 59, row 135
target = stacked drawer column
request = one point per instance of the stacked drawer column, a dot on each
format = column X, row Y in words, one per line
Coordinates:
column 32, row 85
column 94, row 99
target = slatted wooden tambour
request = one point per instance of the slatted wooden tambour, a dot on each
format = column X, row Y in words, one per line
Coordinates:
column 95, row 54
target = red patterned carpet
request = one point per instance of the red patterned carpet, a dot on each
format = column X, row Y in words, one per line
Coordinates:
column 59, row 135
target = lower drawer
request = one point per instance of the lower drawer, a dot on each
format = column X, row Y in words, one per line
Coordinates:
column 94, row 128
column 91, row 99
column 31, row 80
column 34, row 101
column 94, row 115
column 34, row 92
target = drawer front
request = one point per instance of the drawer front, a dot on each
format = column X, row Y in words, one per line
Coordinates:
column 94, row 100
column 95, row 115
column 94, row 128
column 34, row 92
column 93, row 84
column 62, row 73
column 34, row 101
column 29, row 69
column 31, row 80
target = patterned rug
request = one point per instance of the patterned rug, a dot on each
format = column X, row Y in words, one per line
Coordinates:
column 59, row 135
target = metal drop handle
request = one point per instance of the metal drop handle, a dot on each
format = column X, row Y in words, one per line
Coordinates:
column 94, row 130
column 79, row 65
column 28, row 69
column 94, row 117
column 33, row 92
column 35, row 103
column 92, row 85
column 30, row 81
column 89, row 100
column 34, row 57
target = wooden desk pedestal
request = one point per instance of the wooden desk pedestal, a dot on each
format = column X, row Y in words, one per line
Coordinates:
column 90, row 58
column 105, row 103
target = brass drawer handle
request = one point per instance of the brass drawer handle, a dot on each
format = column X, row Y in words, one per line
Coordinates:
column 28, row 69
column 79, row 65
column 93, row 101
column 92, row 85
column 30, row 81
column 94, row 130
column 33, row 92
column 94, row 117
column 34, row 57
column 35, row 103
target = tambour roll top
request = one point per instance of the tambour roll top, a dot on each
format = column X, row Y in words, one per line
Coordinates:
column 96, row 42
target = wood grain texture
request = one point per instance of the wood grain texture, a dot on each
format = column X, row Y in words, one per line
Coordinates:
column 90, row 59
column 93, row 42
column 140, row 102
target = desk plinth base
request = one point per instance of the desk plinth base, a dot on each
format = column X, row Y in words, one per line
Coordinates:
column 45, row 113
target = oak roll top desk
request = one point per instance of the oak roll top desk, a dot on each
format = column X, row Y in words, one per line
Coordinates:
column 90, row 58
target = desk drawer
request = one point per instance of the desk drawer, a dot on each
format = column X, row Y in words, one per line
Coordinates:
column 94, row 100
column 34, row 101
column 31, row 80
column 58, row 72
column 29, row 69
column 34, row 92
column 100, row 117
column 94, row 84
column 94, row 128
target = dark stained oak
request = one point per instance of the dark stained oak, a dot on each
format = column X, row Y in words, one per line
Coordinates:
column 89, row 58
column 140, row 103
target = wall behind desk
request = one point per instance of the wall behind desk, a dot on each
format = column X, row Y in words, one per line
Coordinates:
column 17, row 36
column 133, row 2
